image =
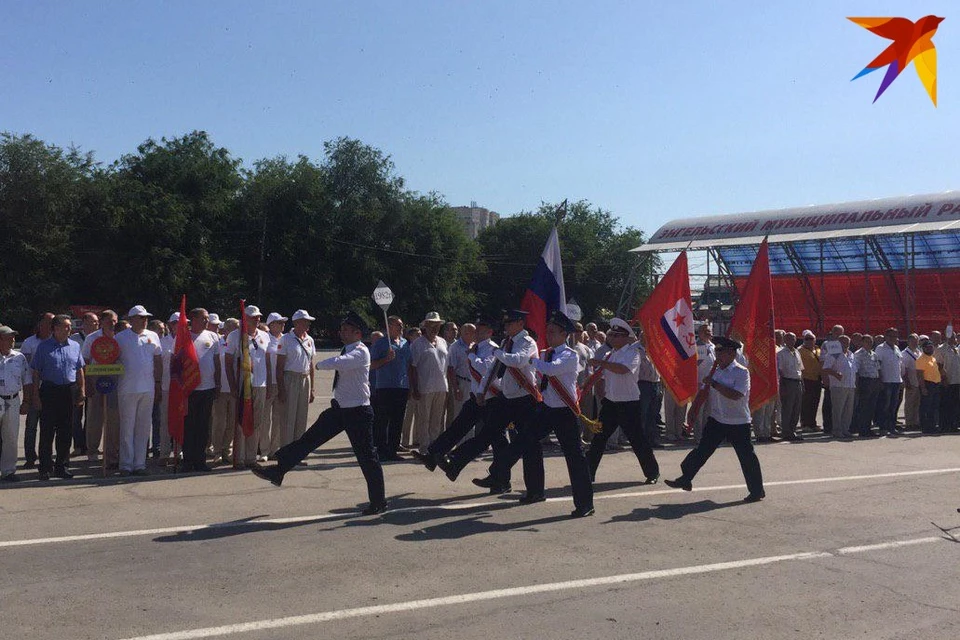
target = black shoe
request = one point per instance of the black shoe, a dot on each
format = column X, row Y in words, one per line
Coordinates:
column 500, row 489
column 43, row 476
column 29, row 464
column 484, row 483
column 62, row 473
column 11, row 477
column 374, row 509
column 652, row 479
column 270, row 474
column 202, row 468
column 796, row 437
column 582, row 513
column 447, row 467
column 427, row 460
column 679, row 483
column 140, row 473
column 391, row 457
column 532, row 498
column 755, row 497
column 868, row 434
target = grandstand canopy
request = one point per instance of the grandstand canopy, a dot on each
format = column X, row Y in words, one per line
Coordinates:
column 866, row 264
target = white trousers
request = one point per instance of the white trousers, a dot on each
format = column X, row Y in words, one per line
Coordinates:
column 9, row 433
column 136, row 425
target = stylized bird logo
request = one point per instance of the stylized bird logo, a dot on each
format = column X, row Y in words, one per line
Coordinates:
column 912, row 42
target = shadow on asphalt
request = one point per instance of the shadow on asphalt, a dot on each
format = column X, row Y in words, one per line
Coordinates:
column 672, row 511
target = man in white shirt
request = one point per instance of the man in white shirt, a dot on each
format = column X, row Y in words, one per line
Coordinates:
column 15, row 377
column 258, row 342
column 223, row 417
column 428, row 381
column 911, row 388
column 842, row 369
column 102, row 406
column 948, row 358
column 891, row 364
column 479, row 358
column 273, row 438
column 167, row 344
column 138, row 386
column 295, row 386
column 458, row 371
column 558, row 370
column 196, row 424
column 706, row 356
column 350, row 411
column 43, row 332
column 512, row 372
column 790, row 369
column 621, row 407
column 728, row 407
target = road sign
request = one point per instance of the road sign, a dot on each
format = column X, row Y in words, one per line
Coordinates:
column 383, row 296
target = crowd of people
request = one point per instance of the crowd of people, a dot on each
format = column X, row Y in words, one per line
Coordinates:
column 445, row 393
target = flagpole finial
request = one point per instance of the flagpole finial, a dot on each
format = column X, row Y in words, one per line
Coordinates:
column 561, row 212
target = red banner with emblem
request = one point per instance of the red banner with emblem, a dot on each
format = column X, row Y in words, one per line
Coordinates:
column 184, row 376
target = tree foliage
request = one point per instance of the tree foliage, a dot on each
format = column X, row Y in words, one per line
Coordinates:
column 182, row 215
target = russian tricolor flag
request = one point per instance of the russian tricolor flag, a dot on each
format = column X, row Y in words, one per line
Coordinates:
column 545, row 293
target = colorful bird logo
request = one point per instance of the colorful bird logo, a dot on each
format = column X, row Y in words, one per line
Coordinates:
column 912, row 42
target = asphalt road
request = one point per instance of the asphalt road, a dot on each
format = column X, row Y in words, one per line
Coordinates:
column 842, row 547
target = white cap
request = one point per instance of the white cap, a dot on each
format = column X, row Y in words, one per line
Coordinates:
column 808, row 333
column 252, row 310
column 174, row 317
column 620, row 323
column 301, row 314
column 138, row 311
column 213, row 319
column 276, row 317
column 433, row 316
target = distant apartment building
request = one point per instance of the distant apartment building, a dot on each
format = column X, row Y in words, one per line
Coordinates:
column 475, row 219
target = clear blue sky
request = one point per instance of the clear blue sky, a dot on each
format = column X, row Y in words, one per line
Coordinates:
column 654, row 110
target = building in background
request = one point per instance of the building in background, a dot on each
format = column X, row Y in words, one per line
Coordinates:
column 475, row 219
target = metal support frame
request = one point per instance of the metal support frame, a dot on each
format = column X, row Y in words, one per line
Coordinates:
column 887, row 269
column 628, row 293
column 816, row 312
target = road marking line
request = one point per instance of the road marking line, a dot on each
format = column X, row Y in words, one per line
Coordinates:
column 496, row 594
column 196, row 528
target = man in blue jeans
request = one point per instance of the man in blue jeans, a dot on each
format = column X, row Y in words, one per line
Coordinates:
column 890, row 359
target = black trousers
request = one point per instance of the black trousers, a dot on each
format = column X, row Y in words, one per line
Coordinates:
column 471, row 414
column 358, row 423
column 30, row 436
column 56, row 423
column 627, row 416
column 389, row 406
column 949, row 407
column 564, row 423
column 524, row 445
column 196, row 427
column 492, row 433
column 738, row 435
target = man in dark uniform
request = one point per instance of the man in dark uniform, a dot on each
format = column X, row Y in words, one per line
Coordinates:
column 350, row 411
column 558, row 369
column 729, row 419
column 514, row 404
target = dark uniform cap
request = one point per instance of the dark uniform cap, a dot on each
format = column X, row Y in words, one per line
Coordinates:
column 483, row 319
column 559, row 320
column 512, row 315
column 726, row 343
column 354, row 320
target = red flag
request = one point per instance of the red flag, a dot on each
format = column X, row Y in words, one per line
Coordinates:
column 752, row 324
column 244, row 377
column 184, row 375
column 667, row 320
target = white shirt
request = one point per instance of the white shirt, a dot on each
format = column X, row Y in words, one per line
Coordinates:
column 564, row 366
column 480, row 362
column 909, row 368
column 224, row 385
column 272, row 354
column 14, row 373
column 88, row 344
column 522, row 349
column 207, row 345
column 647, row 372
column 167, row 343
column 457, row 359
column 789, row 364
column 430, row 362
column 949, row 357
column 723, row 409
column 867, row 364
column 299, row 358
column 137, row 352
column 353, row 379
column 30, row 345
column 622, row 387
column 706, row 356
column 890, row 363
column 258, row 345
column 846, row 365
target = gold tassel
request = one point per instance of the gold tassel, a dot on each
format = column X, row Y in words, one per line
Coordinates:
column 593, row 426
